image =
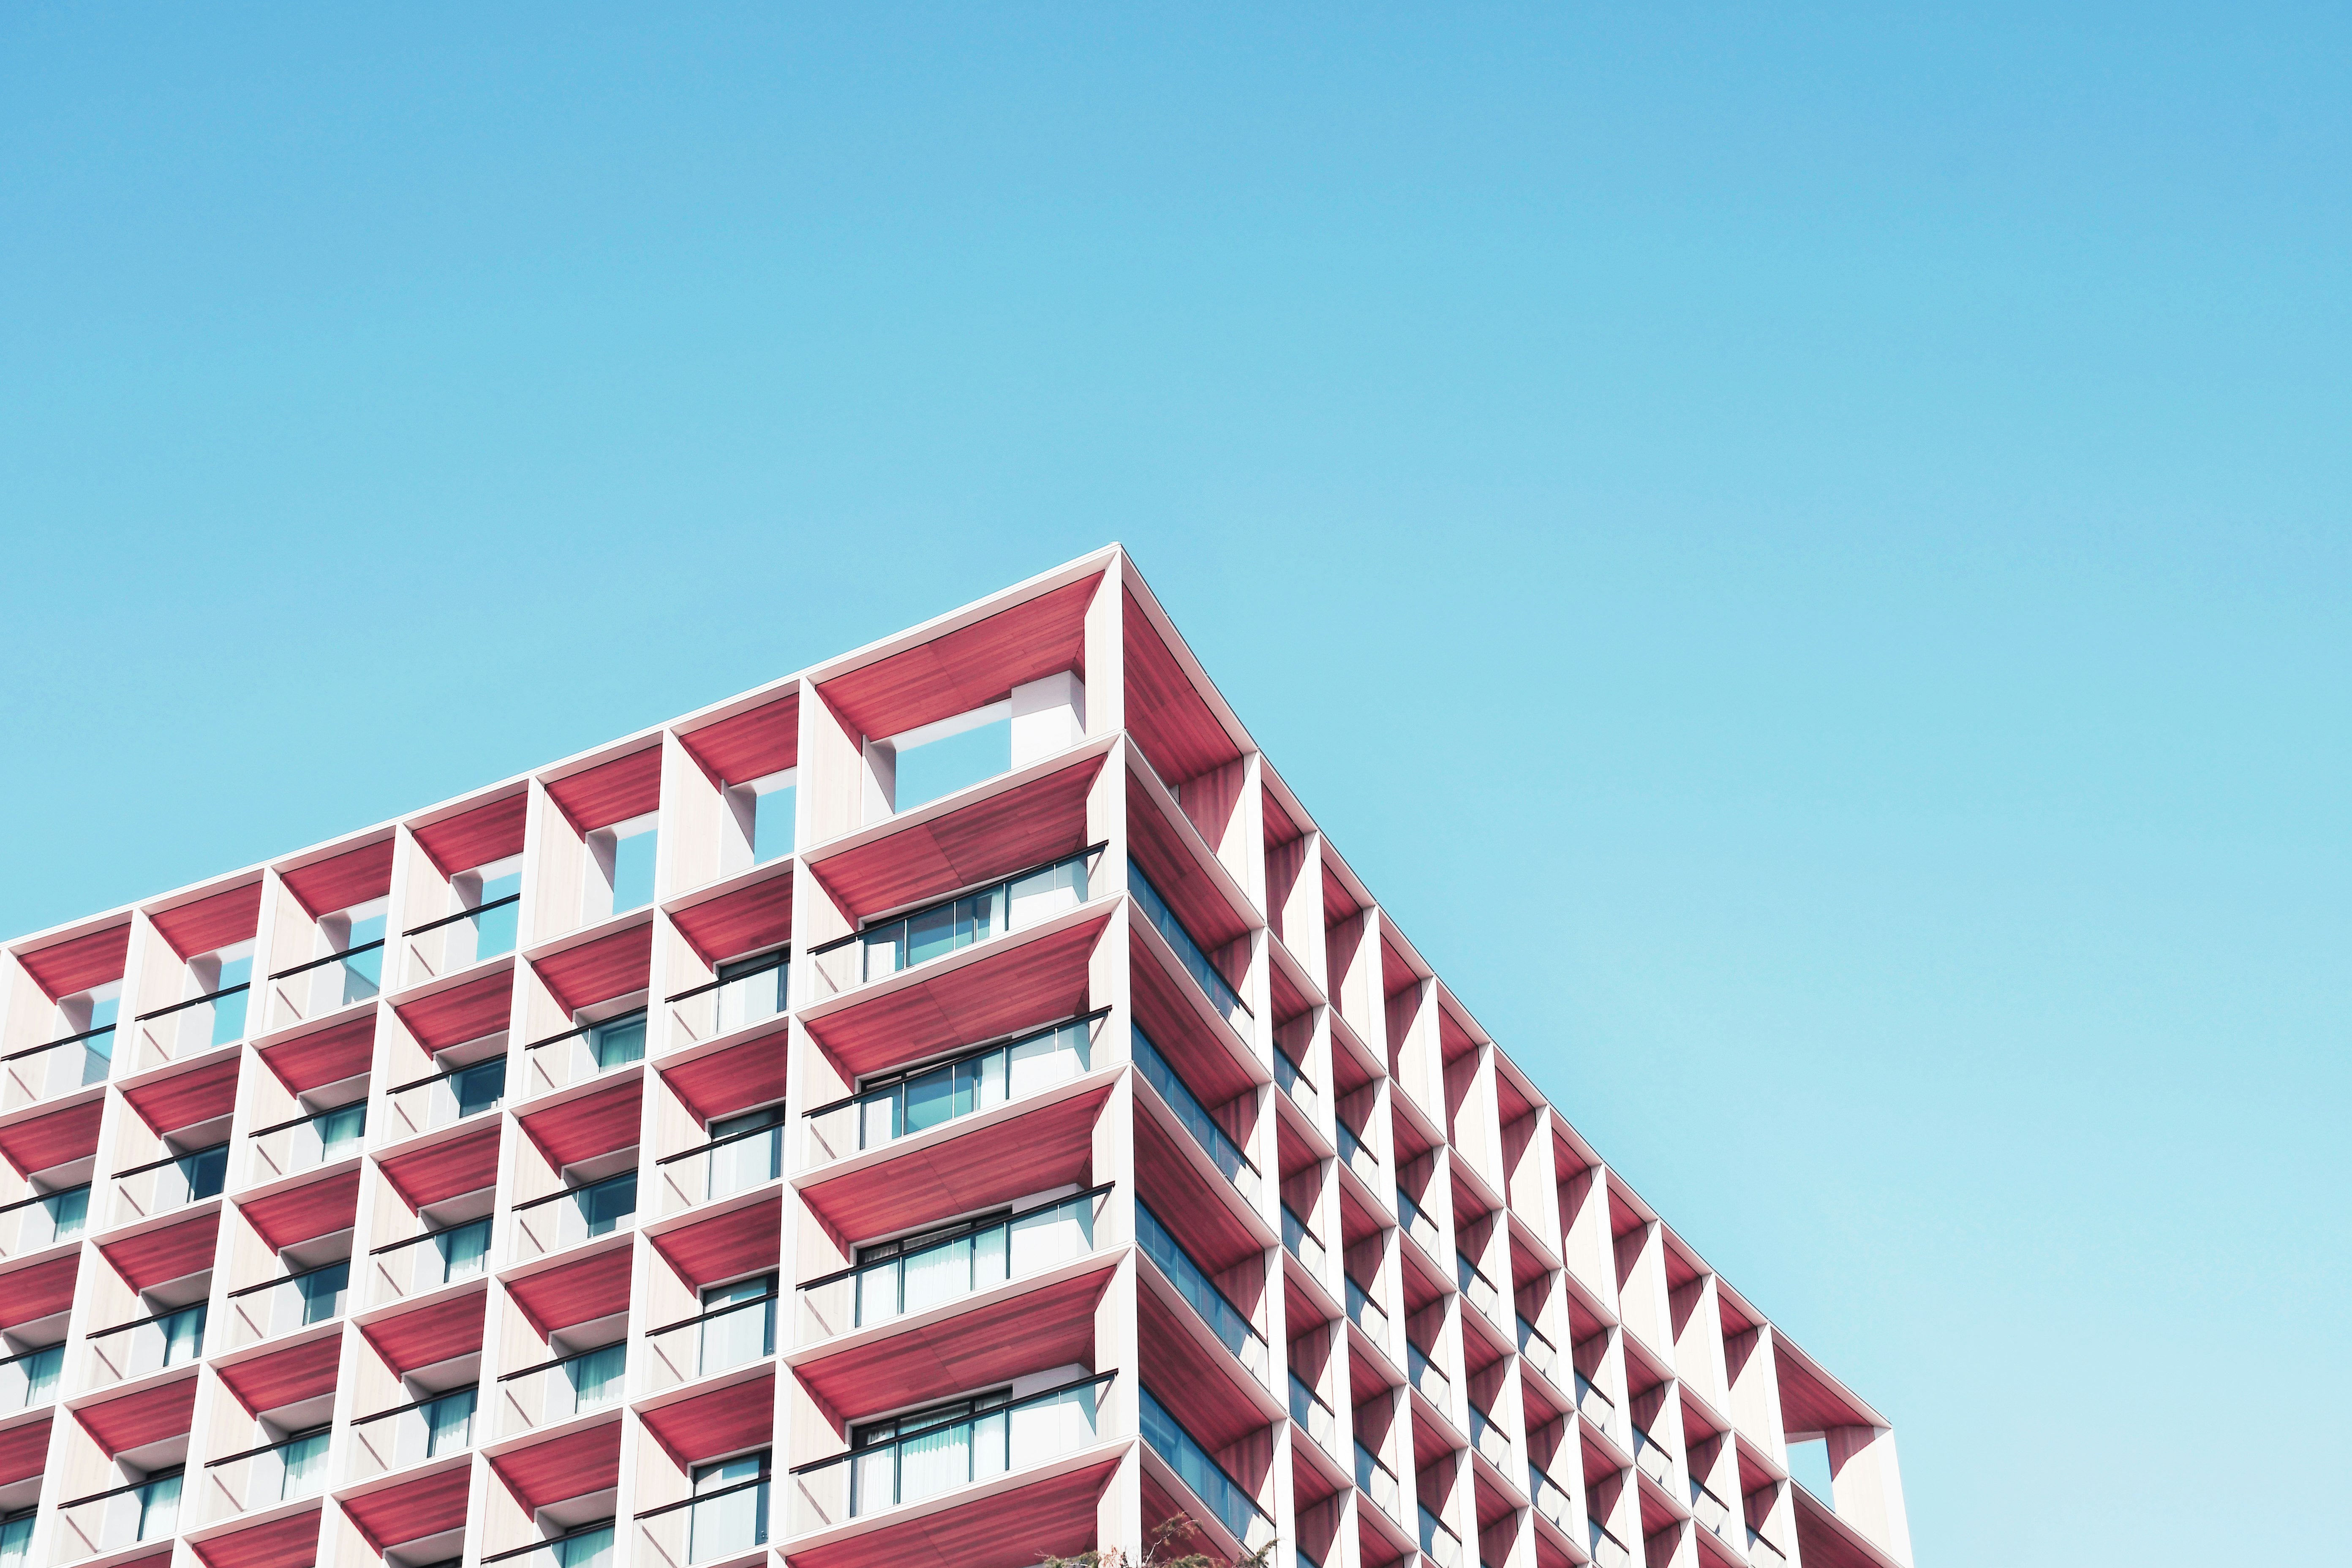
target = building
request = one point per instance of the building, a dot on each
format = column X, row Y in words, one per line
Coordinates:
column 724, row 1143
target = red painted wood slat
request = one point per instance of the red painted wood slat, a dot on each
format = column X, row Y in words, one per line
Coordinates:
column 210, row 924
column 80, row 964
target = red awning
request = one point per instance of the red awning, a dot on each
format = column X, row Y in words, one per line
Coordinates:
column 329, row 1056
column 54, row 1139
column 967, row 669
column 138, row 1419
column 750, row 745
column 608, row 967
column 437, row 1333
column 79, row 963
column 269, row 1382
column 611, row 792
column 468, row 1012
column 173, row 1252
column 724, row 1421
column 352, row 877
column 579, row 1292
column 210, row 924
column 595, row 1124
column 726, row 1246
column 289, row 1542
column 475, row 837
column 298, row 1214
column 464, row 1164
column 567, row 1467
column 192, row 1097
column 424, row 1507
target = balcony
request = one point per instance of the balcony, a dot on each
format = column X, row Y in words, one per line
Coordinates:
column 566, row 1219
column 1652, row 1460
column 1296, row 1085
column 30, row 1378
column 1376, row 1481
column 150, row 1344
column 468, row 936
column 1356, row 1158
column 296, row 1301
column 428, row 1261
column 144, row 1191
column 1711, row 1510
column 565, row 1387
column 747, row 991
column 1762, row 1553
column 59, row 1065
column 1228, row 1322
column 308, row 1141
column 589, row 1048
column 1438, row 1543
column 1550, row 1500
column 1479, row 1289
column 1224, row 1497
column 411, row 1434
column 1490, row 1440
column 338, row 980
column 291, row 1467
column 1155, row 910
column 1223, row 1151
column 44, row 1219
column 899, row 1105
column 215, row 1018
column 1366, row 1316
column 733, row 1161
column 948, row 1267
column 726, row 1517
column 913, row 1466
column 443, row 1099
column 1417, row 1223
column 729, row 1334
column 1606, row 1550
column 1597, row 1408
column 1539, row 1352
column 1308, row 1411
column 1427, row 1381
column 1305, row 1244
column 585, row 1546
column 952, row 924
column 145, row 1510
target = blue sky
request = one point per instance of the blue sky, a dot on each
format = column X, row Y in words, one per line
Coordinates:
column 1803, row 553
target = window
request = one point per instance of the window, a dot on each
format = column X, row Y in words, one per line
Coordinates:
column 749, row 1161
column 752, row 990
column 619, row 1039
column 620, row 866
column 745, row 1333
column 736, row 1518
column 323, row 1291
column 758, row 825
column 495, row 891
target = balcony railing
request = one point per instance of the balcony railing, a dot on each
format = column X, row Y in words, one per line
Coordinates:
column 44, row 1219
column 1550, row 1500
column 1305, row 1244
column 411, row 1434
column 30, row 1378
column 428, row 1260
column 1366, row 1314
column 337, row 980
column 1438, row 1543
column 1709, row 1509
column 468, row 937
column 1223, row 1151
column 572, row 1216
column 1607, row 1551
column 171, row 1182
column 728, row 1335
column 1652, row 1460
column 1431, row 1384
column 952, row 924
column 442, row 1098
column 1762, row 1553
column 731, row 1164
column 282, row 1471
column 1230, row 1325
column 1225, row 1497
column 1479, row 1289
column 950, row 1267
column 1296, row 1085
column 1376, row 1481
column 584, row 1546
column 149, row 1344
column 588, row 1049
column 305, row 1142
column 295, row 1301
column 1154, row 909
column 923, row 1464
column 900, row 1104
column 215, row 1018
column 1307, row 1409
column 747, row 991
column 122, row 1516
column 723, row 1521
column 1490, row 1439
column 53, row 1067
column 1596, row 1407
column 1539, row 1352
column 1416, row 1222
column 1358, row 1158
column 564, row 1387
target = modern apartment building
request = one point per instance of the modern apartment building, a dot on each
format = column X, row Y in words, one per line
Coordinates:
column 945, row 1107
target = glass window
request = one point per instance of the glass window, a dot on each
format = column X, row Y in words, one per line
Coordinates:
column 585, row 1549
column 618, row 1041
column 605, row 1205
column 595, row 1376
column 463, row 1249
column 751, row 989
column 748, row 1161
column 322, row 1292
column 449, row 1422
column 736, row 1521
column 184, row 1335
column 747, row 1333
column 480, row 1086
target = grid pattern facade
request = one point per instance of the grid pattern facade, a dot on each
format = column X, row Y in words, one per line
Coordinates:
column 709, row 1147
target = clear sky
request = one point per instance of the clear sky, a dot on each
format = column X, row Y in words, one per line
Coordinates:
column 1802, row 550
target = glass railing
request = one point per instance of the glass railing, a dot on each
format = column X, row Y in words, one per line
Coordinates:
column 1427, row 1381
column 924, row 1463
column 588, row 1048
column 282, row 1471
column 1550, row 1500
column 337, row 980
column 727, row 1515
column 1438, row 1544
column 170, row 1182
column 1762, row 1553
column 1366, row 1314
column 950, row 1267
column 441, row 1098
column 292, row 1302
column 1304, row 1244
column 30, row 1378
column 202, row 1023
column 1225, row 1497
column 1651, row 1457
column 583, row 1546
column 1607, row 1551
column 58, row 1066
column 746, row 991
column 1307, row 1409
column 553, row 1389
column 1219, row 992
column 1223, row 1151
column 952, row 924
column 1539, row 1352
column 305, row 1142
column 146, row 1510
column 469, row 936
column 1490, row 1439
column 1709, row 1509
column 899, row 1105
column 428, row 1260
column 1596, row 1406
column 1376, row 1481
column 149, row 1344
column 1479, row 1287
column 1296, row 1085
column 410, row 1434
column 1356, row 1158
column 731, row 1162
column 728, row 1333
column 45, row 1219
column 576, row 1215
column 1228, row 1322
column 1416, row 1222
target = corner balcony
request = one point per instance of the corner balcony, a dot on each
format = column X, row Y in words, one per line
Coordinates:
column 952, row 1267
column 937, row 930
column 1223, row 1498
column 897, row 1106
